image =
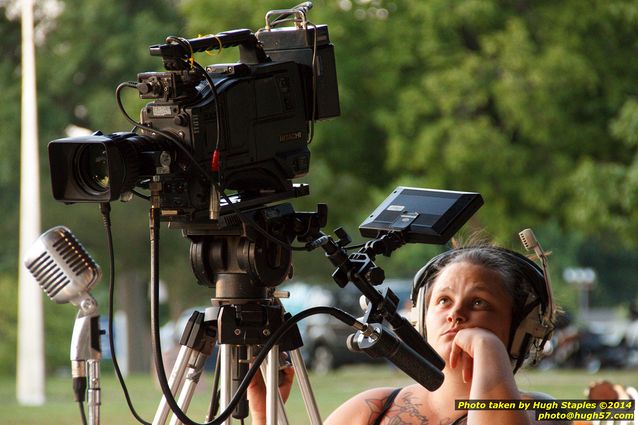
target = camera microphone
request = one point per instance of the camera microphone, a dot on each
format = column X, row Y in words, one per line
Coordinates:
column 66, row 272
column 382, row 343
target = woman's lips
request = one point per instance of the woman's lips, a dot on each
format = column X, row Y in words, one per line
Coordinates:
column 451, row 331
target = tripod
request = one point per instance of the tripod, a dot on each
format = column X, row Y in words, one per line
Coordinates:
column 242, row 262
column 197, row 343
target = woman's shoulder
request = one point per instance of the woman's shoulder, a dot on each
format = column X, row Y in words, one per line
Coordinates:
column 363, row 406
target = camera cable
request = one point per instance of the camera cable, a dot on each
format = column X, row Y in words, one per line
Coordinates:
column 105, row 210
column 82, row 412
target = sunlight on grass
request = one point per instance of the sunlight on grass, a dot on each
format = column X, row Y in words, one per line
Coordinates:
column 330, row 391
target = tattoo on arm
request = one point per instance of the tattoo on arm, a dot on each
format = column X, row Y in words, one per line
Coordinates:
column 399, row 413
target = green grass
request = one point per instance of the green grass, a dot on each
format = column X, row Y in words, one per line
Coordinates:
column 330, row 391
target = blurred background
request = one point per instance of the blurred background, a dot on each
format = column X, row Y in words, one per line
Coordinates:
column 532, row 104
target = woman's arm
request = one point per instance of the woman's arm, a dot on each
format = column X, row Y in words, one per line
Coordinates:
column 483, row 360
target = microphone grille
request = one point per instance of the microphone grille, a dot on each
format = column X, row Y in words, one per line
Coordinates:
column 528, row 239
column 61, row 265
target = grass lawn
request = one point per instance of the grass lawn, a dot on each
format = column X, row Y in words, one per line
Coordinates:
column 330, row 391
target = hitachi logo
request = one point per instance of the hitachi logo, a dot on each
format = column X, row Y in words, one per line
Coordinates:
column 289, row 137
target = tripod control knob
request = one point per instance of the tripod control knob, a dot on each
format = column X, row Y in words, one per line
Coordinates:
column 344, row 238
column 375, row 275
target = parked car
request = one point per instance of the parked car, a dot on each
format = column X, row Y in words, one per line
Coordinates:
column 324, row 336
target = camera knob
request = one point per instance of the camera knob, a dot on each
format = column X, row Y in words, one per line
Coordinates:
column 144, row 88
column 181, row 119
column 375, row 275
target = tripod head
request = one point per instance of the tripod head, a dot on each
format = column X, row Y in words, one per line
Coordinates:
column 253, row 251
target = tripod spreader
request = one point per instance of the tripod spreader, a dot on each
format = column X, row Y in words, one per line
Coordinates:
column 382, row 343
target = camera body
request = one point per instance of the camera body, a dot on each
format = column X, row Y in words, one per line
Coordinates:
column 247, row 124
column 263, row 130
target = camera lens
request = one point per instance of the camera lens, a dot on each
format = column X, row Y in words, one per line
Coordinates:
column 92, row 167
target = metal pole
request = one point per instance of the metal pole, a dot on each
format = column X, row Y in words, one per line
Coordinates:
column 282, row 416
column 175, row 382
column 191, row 380
column 30, row 359
column 94, row 391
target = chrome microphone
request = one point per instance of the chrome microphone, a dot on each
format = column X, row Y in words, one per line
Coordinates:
column 63, row 268
column 66, row 272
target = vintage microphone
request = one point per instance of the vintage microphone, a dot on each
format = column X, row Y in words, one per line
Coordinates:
column 66, row 273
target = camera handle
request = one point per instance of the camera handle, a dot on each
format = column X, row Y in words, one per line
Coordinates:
column 250, row 51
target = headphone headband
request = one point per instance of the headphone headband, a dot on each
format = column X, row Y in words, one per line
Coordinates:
column 532, row 271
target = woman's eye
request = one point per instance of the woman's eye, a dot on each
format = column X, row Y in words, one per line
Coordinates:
column 443, row 300
column 481, row 303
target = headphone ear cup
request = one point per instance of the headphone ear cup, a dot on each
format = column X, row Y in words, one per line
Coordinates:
column 418, row 282
column 418, row 312
column 529, row 330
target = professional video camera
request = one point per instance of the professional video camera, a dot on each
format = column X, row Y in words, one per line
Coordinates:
column 243, row 126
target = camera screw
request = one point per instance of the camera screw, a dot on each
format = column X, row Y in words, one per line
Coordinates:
column 266, row 332
column 165, row 159
column 237, row 331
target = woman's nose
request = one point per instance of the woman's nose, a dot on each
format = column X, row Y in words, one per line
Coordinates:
column 456, row 315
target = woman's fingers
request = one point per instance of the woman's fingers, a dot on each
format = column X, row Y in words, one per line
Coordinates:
column 467, row 363
column 455, row 352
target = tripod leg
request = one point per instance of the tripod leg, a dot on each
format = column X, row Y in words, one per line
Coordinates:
column 282, row 417
column 304, row 385
column 193, row 374
column 272, row 385
column 175, row 381
column 226, row 388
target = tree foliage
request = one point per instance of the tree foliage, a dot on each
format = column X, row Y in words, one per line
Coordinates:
column 9, row 137
column 530, row 103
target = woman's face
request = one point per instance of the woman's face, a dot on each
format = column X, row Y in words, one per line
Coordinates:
column 466, row 295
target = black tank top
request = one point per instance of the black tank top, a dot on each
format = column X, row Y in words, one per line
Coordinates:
column 390, row 400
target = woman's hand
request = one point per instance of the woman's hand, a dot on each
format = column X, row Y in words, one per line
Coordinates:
column 467, row 344
column 484, row 362
column 257, row 393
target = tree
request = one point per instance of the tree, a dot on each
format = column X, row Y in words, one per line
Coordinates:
column 530, row 103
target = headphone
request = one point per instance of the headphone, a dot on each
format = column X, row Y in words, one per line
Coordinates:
column 531, row 325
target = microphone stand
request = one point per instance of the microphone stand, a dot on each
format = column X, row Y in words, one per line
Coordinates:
column 86, row 355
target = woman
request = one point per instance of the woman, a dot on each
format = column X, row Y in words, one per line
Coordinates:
column 482, row 309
